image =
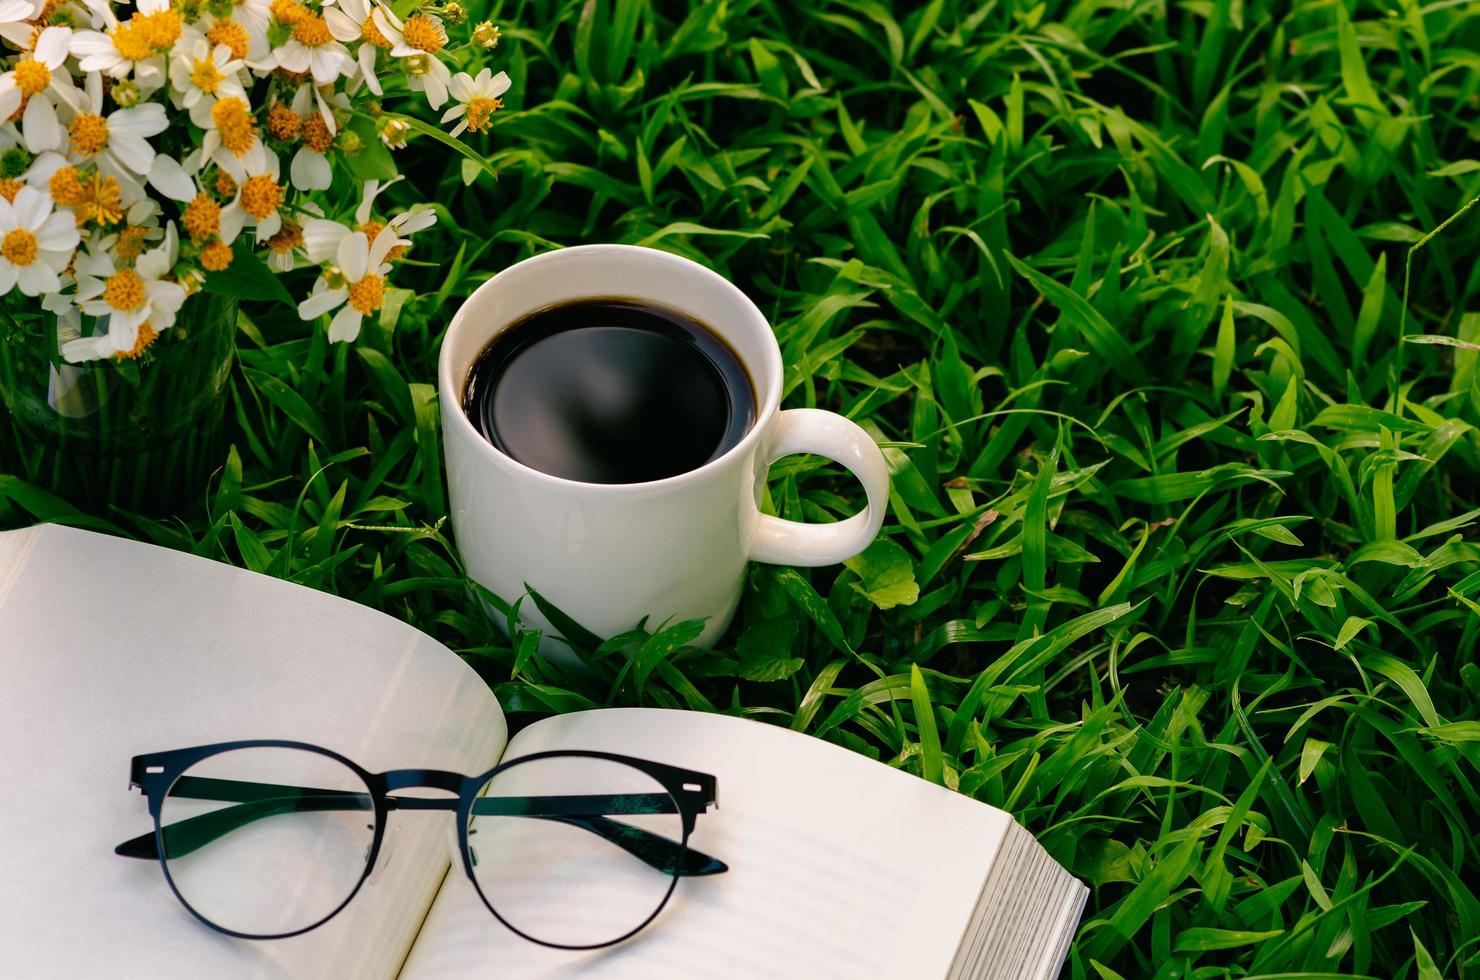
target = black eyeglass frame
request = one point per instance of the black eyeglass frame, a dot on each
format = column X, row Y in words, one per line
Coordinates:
column 155, row 774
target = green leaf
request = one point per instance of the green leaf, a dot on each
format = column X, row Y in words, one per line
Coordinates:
column 1423, row 962
column 582, row 639
column 1401, row 674
column 1310, row 754
column 887, row 573
column 1354, row 76
column 1223, row 350
column 1349, row 631
column 1456, row 169
column 1203, row 940
column 764, row 650
column 930, row 757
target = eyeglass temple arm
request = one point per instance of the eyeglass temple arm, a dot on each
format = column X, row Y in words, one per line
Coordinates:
column 259, row 801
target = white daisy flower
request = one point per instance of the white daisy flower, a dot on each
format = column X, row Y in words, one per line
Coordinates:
column 246, row 43
column 356, row 283
column 201, row 74
column 311, row 47
column 137, row 302
column 477, row 99
column 118, row 141
column 130, row 47
column 35, row 71
column 231, row 126
column 321, row 236
column 36, row 243
column 258, row 196
column 416, row 42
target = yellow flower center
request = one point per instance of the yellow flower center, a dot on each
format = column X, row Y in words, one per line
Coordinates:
column 201, row 218
column 131, row 242
column 66, row 187
column 124, row 291
column 147, row 336
column 480, row 111
column 232, row 35
column 283, row 123
column 161, row 28
column 316, row 135
column 89, row 133
column 102, row 201
column 206, row 76
column 425, row 34
column 31, row 76
column 10, row 187
column 367, row 294
column 234, row 122
column 261, row 196
column 131, row 40
column 370, row 33
column 225, row 186
column 312, row 30
column 216, row 256
column 288, row 11
column 19, row 247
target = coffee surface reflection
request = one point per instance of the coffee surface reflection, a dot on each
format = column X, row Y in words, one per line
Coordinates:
column 610, row 391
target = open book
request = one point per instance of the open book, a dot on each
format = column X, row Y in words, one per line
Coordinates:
column 838, row 866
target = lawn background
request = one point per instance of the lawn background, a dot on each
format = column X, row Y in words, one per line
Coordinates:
column 1181, row 564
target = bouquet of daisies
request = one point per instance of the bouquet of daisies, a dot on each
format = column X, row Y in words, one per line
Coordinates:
column 146, row 147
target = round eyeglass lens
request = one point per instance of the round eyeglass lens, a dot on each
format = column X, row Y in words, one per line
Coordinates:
column 267, row 841
column 575, row 851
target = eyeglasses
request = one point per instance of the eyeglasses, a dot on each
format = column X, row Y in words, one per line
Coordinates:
column 269, row 839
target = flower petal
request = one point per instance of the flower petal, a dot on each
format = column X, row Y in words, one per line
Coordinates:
column 233, row 217
column 57, row 233
column 52, row 45
column 321, row 302
column 10, row 97
column 353, row 256
column 38, row 278
column 170, row 179
column 31, row 208
column 321, row 238
column 345, row 326
column 132, row 151
column 148, row 119
column 40, row 125
column 310, row 171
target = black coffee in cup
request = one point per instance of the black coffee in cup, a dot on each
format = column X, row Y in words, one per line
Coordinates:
column 610, row 391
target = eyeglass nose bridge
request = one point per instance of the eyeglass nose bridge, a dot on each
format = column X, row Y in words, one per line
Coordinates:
column 399, row 779
column 449, row 782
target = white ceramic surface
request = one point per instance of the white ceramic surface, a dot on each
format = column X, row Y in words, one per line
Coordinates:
column 610, row 554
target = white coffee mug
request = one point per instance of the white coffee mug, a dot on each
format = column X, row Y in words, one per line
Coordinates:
column 609, row 555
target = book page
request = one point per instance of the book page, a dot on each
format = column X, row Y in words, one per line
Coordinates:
column 110, row 648
column 839, row 866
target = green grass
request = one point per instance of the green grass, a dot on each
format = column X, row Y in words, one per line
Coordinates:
column 1182, row 565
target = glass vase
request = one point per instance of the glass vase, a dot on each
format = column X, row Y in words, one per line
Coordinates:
column 141, row 432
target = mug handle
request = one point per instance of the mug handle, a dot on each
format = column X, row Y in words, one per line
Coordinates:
column 811, row 430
